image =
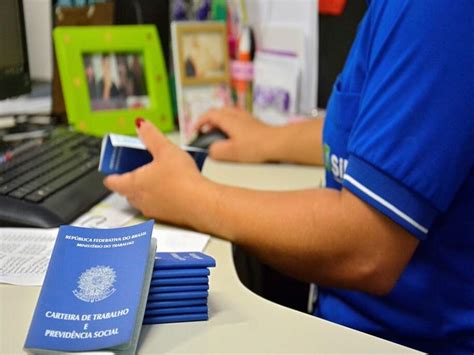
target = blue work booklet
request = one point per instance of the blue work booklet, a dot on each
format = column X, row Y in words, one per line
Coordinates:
column 95, row 291
column 189, row 260
column 178, row 288
column 203, row 280
column 174, row 296
column 177, row 303
column 175, row 318
column 176, row 310
column 185, row 273
column 120, row 154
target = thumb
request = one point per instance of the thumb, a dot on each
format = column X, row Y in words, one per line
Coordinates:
column 123, row 184
column 151, row 137
column 222, row 150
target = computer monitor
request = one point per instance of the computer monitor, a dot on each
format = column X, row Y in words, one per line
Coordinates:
column 14, row 72
column 152, row 12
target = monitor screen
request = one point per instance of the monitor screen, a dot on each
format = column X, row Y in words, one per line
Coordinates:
column 14, row 74
column 115, row 81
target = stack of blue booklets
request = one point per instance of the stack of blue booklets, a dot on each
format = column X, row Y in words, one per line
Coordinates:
column 95, row 291
column 179, row 288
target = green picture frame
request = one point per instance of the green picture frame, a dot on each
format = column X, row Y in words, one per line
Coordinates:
column 100, row 106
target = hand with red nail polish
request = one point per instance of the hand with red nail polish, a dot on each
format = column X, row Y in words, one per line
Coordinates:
column 139, row 121
column 163, row 188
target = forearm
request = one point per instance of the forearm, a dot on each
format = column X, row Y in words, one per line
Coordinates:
column 326, row 236
column 311, row 235
column 299, row 143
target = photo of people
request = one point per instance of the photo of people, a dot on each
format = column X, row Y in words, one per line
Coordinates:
column 115, row 81
column 204, row 55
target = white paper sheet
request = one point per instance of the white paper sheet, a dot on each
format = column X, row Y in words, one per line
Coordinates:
column 113, row 211
column 179, row 240
column 25, row 105
column 25, row 254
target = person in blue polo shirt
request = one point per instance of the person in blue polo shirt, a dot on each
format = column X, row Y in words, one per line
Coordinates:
column 390, row 240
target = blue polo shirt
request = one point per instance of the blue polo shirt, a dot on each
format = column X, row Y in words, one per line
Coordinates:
column 399, row 134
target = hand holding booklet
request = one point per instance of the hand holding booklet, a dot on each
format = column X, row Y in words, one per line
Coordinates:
column 95, row 291
column 120, row 154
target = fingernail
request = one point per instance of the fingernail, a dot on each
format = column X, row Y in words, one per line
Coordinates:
column 206, row 128
column 139, row 121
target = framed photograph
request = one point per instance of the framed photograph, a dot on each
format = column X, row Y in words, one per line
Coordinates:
column 201, row 67
column 111, row 75
column 202, row 52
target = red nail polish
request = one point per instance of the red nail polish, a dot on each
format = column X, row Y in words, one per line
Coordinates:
column 139, row 121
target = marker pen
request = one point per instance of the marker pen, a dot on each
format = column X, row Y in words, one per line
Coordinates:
column 244, row 76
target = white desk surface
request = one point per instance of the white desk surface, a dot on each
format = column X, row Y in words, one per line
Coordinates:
column 239, row 321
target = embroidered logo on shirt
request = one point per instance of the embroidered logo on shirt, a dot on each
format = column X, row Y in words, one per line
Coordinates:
column 336, row 165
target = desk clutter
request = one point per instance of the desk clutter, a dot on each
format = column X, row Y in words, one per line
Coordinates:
column 179, row 288
column 101, row 285
column 257, row 55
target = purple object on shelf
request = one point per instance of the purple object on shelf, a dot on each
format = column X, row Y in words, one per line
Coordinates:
column 267, row 97
column 203, row 10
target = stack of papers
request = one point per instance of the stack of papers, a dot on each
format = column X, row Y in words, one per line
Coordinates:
column 25, row 252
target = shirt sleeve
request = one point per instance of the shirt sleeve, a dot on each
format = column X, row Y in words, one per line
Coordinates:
column 411, row 146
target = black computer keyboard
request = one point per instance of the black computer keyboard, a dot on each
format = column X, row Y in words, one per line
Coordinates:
column 51, row 183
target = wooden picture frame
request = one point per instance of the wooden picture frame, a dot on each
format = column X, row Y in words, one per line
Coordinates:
column 202, row 52
column 197, row 90
column 110, row 75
